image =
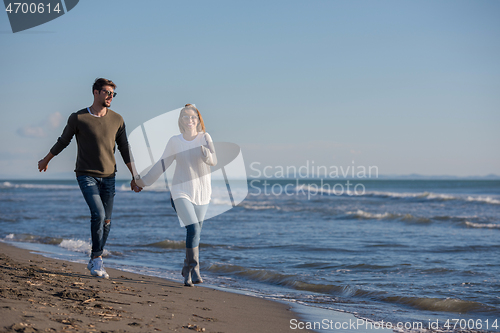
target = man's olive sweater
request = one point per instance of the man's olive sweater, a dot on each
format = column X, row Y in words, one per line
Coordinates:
column 95, row 137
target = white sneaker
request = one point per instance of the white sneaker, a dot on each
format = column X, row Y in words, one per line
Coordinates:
column 98, row 268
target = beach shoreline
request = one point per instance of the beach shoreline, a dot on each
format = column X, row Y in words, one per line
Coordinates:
column 270, row 248
column 41, row 294
column 44, row 294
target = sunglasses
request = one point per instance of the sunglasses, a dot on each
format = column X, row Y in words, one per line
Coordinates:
column 109, row 92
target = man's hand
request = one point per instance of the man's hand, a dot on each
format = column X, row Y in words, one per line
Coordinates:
column 134, row 187
column 44, row 162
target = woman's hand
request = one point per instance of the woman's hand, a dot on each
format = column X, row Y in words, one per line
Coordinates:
column 208, row 143
column 134, row 187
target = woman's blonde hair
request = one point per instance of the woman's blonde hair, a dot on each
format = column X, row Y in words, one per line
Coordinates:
column 201, row 124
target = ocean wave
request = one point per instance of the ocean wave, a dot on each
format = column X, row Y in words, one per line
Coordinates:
column 174, row 244
column 290, row 281
column 169, row 244
column 9, row 185
column 123, row 188
column 464, row 248
column 81, row 246
column 253, row 206
column 482, row 225
column 455, row 218
column 6, row 185
column 28, row 238
column 223, row 202
column 260, row 205
column 352, row 192
column 314, row 190
column 406, row 195
column 360, row 214
column 433, row 196
column 74, row 245
column 440, row 304
column 245, row 205
column 336, row 290
column 488, row 200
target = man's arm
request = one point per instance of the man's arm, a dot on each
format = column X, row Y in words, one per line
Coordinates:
column 133, row 185
column 124, row 148
column 62, row 142
column 44, row 162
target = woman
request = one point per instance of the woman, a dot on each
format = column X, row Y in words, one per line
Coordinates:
column 191, row 188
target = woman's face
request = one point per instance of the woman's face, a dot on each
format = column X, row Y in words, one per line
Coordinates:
column 190, row 119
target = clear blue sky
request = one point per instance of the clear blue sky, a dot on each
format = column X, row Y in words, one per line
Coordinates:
column 407, row 86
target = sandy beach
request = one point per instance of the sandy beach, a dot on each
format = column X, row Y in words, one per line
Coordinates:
column 40, row 294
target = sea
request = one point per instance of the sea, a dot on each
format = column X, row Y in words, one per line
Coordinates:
column 401, row 251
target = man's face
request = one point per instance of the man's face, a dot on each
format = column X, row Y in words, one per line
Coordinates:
column 104, row 96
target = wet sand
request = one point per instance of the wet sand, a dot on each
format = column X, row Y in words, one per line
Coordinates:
column 39, row 294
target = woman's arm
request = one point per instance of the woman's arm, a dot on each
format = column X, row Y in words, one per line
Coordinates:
column 159, row 168
column 208, row 151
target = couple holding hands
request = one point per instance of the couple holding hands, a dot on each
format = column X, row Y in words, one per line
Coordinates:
column 97, row 130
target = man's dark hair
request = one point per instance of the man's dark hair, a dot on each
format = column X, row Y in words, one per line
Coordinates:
column 100, row 82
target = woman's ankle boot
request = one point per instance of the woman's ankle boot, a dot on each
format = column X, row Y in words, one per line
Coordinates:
column 194, row 261
column 186, row 271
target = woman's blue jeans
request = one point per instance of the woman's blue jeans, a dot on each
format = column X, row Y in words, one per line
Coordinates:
column 192, row 217
column 99, row 194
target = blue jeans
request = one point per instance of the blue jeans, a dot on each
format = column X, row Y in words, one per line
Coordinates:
column 99, row 194
column 192, row 216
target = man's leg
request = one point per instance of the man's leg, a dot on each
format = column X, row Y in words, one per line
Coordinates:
column 107, row 193
column 90, row 190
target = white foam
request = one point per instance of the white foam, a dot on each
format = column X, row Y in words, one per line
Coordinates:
column 216, row 201
column 482, row 225
column 124, row 187
column 433, row 196
column 358, row 192
column 328, row 190
column 78, row 245
column 361, row 213
column 489, row 200
column 406, row 194
column 259, row 207
column 37, row 186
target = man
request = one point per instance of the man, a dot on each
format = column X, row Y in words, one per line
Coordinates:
column 97, row 129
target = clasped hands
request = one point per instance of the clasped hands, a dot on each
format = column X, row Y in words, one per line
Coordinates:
column 134, row 187
column 208, row 144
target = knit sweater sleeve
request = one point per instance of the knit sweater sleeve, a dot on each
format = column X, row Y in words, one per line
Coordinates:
column 160, row 166
column 122, row 143
column 208, row 151
column 64, row 140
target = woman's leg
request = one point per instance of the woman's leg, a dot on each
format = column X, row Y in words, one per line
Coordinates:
column 200, row 213
column 192, row 217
